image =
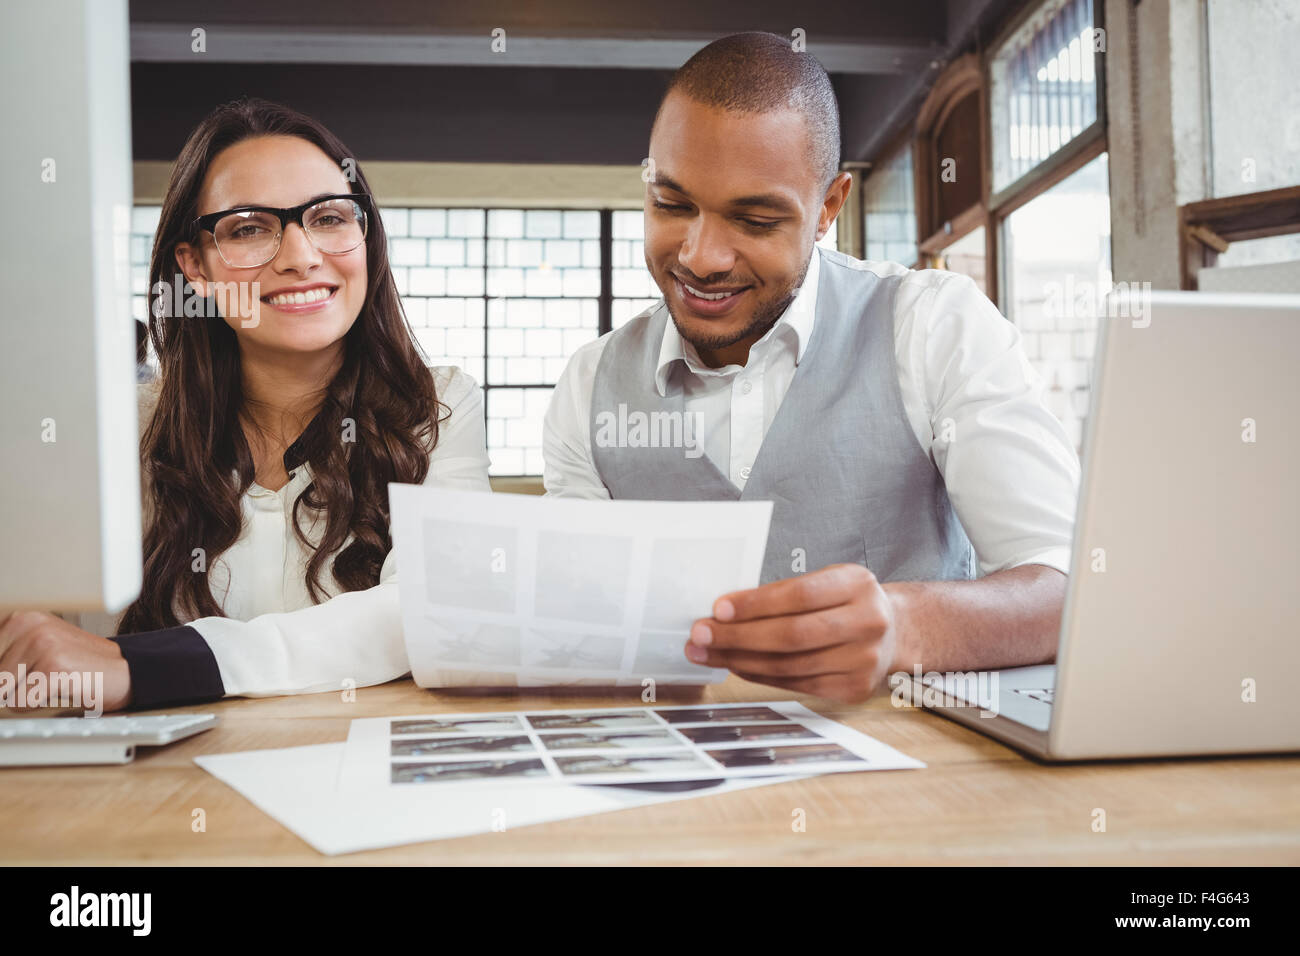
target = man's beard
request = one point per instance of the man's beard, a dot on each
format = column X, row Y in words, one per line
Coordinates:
column 764, row 317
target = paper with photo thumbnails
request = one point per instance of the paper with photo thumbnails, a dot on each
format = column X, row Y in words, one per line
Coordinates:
column 528, row 591
column 604, row 745
column 296, row 787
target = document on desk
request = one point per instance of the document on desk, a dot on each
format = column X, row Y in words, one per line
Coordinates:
column 296, row 787
column 520, row 590
column 608, row 745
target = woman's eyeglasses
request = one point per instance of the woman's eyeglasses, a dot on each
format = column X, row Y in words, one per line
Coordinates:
column 249, row 236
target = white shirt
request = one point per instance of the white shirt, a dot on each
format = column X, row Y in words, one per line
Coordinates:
column 971, row 397
column 274, row 639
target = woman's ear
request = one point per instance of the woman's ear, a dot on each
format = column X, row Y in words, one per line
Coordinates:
column 191, row 264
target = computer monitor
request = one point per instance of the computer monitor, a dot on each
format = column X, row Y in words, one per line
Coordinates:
column 70, row 484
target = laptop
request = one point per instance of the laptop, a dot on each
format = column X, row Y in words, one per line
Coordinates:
column 1180, row 634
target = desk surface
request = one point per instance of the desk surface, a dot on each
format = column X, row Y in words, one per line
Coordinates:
column 978, row 802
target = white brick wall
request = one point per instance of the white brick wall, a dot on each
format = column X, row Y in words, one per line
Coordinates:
column 1061, row 349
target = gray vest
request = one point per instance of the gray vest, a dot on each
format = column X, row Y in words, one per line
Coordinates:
column 840, row 461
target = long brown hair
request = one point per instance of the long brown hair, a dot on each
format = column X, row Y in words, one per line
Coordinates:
column 195, row 460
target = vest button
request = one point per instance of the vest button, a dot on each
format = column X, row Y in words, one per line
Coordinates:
column 744, row 473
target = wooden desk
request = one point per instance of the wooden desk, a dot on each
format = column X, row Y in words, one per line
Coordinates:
column 977, row 803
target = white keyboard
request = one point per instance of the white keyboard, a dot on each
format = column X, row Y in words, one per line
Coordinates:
column 45, row 741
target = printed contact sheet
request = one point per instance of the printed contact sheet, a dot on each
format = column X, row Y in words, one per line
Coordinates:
column 516, row 590
column 625, row 745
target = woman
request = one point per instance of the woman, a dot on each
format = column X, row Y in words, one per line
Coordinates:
column 272, row 433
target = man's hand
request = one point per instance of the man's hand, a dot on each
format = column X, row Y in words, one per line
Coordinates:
column 830, row 633
column 48, row 644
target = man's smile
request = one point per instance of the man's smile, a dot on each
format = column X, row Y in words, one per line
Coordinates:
column 707, row 300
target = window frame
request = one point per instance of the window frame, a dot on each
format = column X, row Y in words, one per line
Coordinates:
column 1070, row 157
column 973, row 72
column 1092, row 141
column 604, row 300
column 1206, row 228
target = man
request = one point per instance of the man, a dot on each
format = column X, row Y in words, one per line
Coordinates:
column 889, row 414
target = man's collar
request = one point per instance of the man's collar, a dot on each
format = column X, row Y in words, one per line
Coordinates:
column 797, row 319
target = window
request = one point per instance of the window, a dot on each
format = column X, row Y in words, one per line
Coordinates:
column 1056, row 280
column 634, row 290
column 1043, row 88
column 1049, row 193
column 889, row 205
column 144, row 223
column 968, row 255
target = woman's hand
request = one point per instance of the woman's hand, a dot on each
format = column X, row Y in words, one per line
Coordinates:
column 41, row 643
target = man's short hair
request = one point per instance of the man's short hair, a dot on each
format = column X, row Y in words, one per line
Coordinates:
column 761, row 73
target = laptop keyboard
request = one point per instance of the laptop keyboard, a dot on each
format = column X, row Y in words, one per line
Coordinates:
column 1045, row 694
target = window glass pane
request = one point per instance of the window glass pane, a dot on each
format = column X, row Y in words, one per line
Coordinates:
column 396, row 221
column 514, row 425
column 1057, row 279
column 626, row 309
column 967, row 256
column 466, row 223
column 543, row 224
column 506, row 222
column 634, row 289
column 529, row 279
column 582, row 224
column 1043, row 87
column 628, row 224
column 534, row 338
column 890, row 206
column 144, row 223
column 428, row 222
column 562, row 252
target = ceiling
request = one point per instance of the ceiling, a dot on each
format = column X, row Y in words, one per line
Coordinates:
column 577, row 82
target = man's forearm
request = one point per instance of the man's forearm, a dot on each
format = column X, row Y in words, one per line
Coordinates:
column 1008, row 619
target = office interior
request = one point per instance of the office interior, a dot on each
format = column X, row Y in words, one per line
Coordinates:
column 1054, row 151
column 984, row 136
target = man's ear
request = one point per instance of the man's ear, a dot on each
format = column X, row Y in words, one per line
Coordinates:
column 191, row 264
column 837, row 193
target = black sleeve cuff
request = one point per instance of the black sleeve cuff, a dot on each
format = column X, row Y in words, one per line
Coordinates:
column 171, row 666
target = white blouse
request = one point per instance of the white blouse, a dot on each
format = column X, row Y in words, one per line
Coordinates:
column 274, row 639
